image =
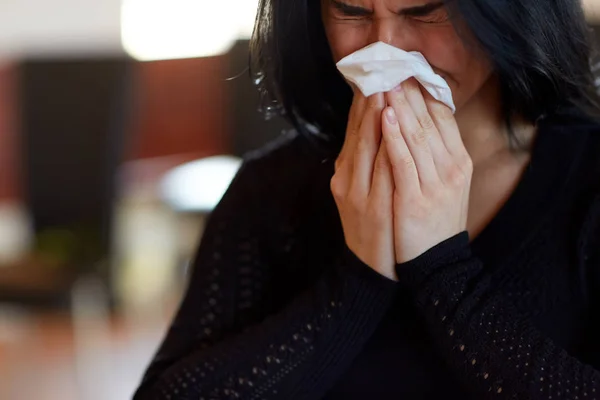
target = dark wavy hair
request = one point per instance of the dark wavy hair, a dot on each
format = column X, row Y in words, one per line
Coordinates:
column 541, row 52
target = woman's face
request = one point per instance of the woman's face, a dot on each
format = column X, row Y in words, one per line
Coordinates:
column 411, row 25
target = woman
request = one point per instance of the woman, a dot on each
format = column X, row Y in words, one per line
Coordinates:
column 432, row 255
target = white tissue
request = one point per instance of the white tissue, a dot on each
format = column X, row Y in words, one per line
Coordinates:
column 381, row 67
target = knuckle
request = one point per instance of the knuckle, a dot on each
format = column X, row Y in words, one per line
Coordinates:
column 426, row 122
column 467, row 163
column 336, row 187
column 399, row 98
column 456, row 177
column 381, row 165
column 418, row 136
column 375, row 102
column 371, row 105
column 340, row 160
column 403, row 163
column 407, row 162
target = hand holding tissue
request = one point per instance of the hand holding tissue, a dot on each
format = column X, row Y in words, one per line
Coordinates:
column 381, row 67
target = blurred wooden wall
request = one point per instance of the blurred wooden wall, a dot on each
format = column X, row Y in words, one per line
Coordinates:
column 178, row 110
column 9, row 157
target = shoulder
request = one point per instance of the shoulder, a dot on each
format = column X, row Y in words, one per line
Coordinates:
column 585, row 184
column 580, row 135
column 286, row 160
column 284, row 189
column 291, row 146
column 283, row 168
column 583, row 134
column 589, row 160
column 588, row 245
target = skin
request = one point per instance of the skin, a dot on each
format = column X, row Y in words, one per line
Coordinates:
column 411, row 174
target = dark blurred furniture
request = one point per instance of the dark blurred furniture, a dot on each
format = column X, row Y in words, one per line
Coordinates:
column 73, row 116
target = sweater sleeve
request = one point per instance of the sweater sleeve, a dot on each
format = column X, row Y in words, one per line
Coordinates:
column 494, row 351
column 222, row 345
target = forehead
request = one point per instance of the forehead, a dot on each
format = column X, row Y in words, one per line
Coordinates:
column 371, row 4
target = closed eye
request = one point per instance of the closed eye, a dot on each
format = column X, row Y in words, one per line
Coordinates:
column 428, row 13
column 348, row 10
column 435, row 17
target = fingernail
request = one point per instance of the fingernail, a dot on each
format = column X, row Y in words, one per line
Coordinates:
column 398, row 88
column 390, row 115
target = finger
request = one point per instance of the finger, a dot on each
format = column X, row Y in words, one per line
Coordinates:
column 413, row 133
column 446, row 124
column 404, row 169
column 354, row 119
column 441, row 157
column 382, row 188
column 343, row 165
column 367, row 144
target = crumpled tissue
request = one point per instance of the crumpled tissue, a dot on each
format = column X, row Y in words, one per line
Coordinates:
column 381, row 67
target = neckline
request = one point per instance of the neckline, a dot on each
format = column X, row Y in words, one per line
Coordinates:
column 541, row 184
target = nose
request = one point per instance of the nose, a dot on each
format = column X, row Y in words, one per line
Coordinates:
column 394, row 31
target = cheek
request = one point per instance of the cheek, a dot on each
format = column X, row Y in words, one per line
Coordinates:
column 446, row 54
column 464, row 70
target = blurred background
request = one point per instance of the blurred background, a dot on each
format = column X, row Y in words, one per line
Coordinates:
column 122, row 122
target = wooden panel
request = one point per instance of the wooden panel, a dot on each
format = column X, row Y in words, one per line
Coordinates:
column 180, row 108
column 9, row 147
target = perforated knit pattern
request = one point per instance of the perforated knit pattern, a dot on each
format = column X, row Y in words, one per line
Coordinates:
column 498, row 352
column 287, row 341
column 223, row 343
column 233, row 338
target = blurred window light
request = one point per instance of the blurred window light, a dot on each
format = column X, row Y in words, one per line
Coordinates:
column 198, row 186
column 246, row 15
column 592, row 10
column 171, row 29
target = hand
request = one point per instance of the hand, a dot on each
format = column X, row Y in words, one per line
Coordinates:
column 431, row 167
column 363, row 187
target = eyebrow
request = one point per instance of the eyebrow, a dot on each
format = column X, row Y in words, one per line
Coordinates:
column 416, row 11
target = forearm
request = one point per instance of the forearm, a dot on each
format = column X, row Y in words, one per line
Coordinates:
column 297, row 353
column 494, row 351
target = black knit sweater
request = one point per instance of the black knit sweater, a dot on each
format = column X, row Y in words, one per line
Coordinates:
column 279, row 308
